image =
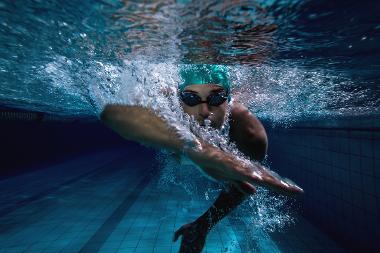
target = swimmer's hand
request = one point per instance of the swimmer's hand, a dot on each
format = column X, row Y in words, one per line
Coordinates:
column 226, row 167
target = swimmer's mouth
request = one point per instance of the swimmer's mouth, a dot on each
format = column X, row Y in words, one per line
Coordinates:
column 206, row 123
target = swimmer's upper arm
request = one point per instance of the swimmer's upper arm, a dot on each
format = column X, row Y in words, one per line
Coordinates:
column 142, row 125
column 248, row 133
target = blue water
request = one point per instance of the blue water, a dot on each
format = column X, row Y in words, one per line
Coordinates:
column 296, row 58
column 290, row 62
column 111, row 202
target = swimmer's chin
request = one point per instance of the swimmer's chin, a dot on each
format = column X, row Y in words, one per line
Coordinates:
column 212, row 124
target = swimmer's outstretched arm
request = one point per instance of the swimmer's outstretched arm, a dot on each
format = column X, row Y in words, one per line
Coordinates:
column 143, row 125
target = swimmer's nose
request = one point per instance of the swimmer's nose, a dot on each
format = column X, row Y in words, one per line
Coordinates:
column 204, row 110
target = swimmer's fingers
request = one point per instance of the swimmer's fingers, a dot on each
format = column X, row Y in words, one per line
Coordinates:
column 271, row 180
column 244, row 187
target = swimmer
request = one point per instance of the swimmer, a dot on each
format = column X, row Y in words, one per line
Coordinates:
column 204, row 94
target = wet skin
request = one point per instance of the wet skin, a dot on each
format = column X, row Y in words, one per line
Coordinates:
column 194, row 234
column 143, row 125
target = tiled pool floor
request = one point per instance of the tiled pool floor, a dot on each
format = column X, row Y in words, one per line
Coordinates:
column 107, row 202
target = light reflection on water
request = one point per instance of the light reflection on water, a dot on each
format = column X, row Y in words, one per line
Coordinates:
column 299, row 63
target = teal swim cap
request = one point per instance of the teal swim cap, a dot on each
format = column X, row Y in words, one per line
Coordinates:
column 204, row 74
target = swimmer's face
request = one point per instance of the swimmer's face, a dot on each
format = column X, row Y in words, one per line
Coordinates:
column 203, row 111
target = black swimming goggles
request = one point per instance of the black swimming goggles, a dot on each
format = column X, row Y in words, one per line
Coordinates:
column 214, row 99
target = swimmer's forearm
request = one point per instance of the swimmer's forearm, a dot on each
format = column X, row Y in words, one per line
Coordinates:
column 141, row 125
column 144, row 126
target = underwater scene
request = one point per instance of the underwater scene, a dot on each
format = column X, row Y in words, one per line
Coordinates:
column 189, row 126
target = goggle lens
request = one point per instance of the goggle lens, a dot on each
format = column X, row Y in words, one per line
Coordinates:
column 214, row 99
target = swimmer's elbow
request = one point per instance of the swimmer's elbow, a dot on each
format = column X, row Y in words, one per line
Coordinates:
column 106, row 115
column 118, row 118
column 110, row 113
column 115, row 116
column 114, row 113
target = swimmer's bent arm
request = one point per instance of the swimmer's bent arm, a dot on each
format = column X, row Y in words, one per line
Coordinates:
column 143, row 125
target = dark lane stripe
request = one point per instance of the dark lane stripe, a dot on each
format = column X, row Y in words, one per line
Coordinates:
column 101, row 235
column 50, row 190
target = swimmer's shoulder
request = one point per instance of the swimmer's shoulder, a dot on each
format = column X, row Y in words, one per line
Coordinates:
column 248, row 133
column 241, row 117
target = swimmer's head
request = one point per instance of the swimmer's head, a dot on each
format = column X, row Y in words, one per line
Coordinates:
column 204, row 74
column 206, row 89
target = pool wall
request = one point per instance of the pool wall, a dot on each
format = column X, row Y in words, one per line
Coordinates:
column 336, row 162
column 31, row 141
column 338, row 166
